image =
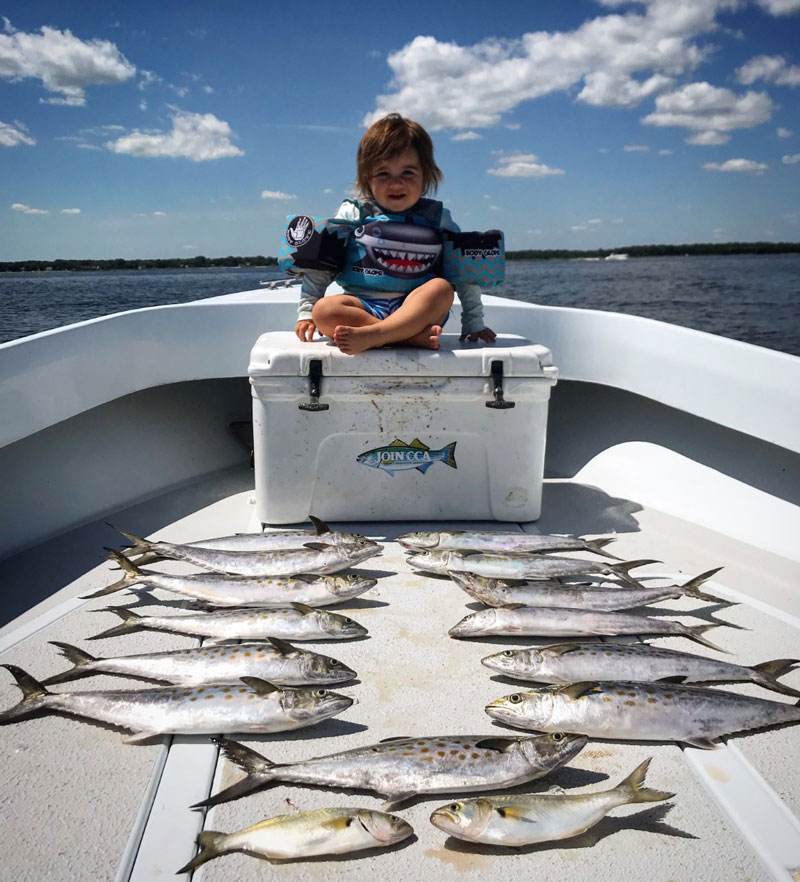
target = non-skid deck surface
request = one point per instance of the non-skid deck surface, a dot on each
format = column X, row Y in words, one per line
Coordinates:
column 75, row 796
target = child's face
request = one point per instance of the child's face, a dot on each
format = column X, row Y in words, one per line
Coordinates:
column 396, row 183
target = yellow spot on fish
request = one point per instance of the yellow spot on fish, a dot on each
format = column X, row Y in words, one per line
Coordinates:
column 193, row 698
column 260, row 655
column 243, row 689
column 228, row 697
column 210, row 695
column 251, row 695
column 440, row 753
column 622, row 693
column 606, row 699
column 475, row 755
column 453, row 752
column 428, row 759
column 462, row 756
column 652, row 700
column 631, row 703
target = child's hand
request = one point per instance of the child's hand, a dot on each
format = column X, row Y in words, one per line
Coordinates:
column 487, row 335
column 305, row 330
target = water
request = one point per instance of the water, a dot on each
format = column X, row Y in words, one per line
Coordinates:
column 755, row 298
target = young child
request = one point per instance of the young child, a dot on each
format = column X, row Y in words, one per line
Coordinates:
column 390, row 297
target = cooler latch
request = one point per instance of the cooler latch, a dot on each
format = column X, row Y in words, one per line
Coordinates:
column 314, row 387
column 497, row 388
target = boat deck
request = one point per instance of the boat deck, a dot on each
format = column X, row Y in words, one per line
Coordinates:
column 81, row 804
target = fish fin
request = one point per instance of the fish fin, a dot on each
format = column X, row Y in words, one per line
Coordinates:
column 282, row 646
column 210, row 843
column 424, row 468
column 262, row 688
column 768, row 672
column 141, row 737
column 501, row 745
column 390, row 472
column 512, row 606
column 621, row 570
column 578, row 690
column 79, row 659
column 130, row 622
column 248, row 785
column 124, row 582
column 514, row 812
column 337, row 823
column 316, row 546
column 691, row 587
column 561, row 648
column 33, row 694
column 395, row 738
column 305, row 578
column 598, row 546
column 632, row 787
column 450, row 455
column 139, row 545
column 320, row 527
column 303, row 608
column 676, row 680
column 419, row 445
column 395, row 800
column 701, row 743
column 695, row 632
column 249, row 761
column 397, row 443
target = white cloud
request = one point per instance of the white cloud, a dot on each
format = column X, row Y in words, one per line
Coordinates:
column 12, row 135
column 665, row 152
column 65, row 64
column 70, row 211
column 279, row 194
column 792, row 159
column 709, row 111
column 523, row 165
column 615, row 60
column 467, row 136
column 770, row 68
column 708, row 139
column 784, row 133
column 26, row 209
column 737, row 165
column 636, row 148
column 196, row 136
column 780, row 7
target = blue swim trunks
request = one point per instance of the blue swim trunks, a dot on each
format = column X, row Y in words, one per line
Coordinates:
column 381, row 307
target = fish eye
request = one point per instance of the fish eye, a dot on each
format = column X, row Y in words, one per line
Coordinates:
column 558, row 736
column 454, row 806
column 508, row 653
column 516, row 698
column 321, row 693
column 393, row 817
column 335, row 664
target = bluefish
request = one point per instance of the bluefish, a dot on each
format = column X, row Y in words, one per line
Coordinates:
column 399, row 457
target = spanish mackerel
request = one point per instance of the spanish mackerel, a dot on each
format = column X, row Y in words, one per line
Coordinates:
column 575, row 662
column 296, row 622
column 626, row 710
column 525, row 818
column 399, row 768
column 494, row 541
column 305, row 835
column 276, row 661
column 220, row 589
column 501, row 592
column 518, row 566
column 314, row 557
column 251, row 705
column 531, row 621
column 272, row 541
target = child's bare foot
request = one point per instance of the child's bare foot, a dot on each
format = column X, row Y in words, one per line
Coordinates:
column 428, row 338
column 354, row 340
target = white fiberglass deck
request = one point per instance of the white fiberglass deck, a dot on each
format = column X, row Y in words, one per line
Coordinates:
column 80, row 804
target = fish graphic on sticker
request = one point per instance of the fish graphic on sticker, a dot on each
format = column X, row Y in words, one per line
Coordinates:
column 399, row 456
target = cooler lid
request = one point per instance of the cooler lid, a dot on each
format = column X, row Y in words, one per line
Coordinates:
column 281, row 353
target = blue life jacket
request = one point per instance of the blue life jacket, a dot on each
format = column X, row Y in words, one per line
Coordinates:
column 393, row 252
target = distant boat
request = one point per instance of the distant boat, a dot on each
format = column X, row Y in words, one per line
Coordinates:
column 615, row 256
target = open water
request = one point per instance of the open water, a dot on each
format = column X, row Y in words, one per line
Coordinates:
column 754, row 298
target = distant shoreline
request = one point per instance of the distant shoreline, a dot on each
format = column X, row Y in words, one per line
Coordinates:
column 261, row 262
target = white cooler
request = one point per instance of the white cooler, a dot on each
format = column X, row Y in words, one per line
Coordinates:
column 399, row 434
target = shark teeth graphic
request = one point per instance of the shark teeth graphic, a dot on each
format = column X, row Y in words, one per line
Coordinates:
column 411, row 262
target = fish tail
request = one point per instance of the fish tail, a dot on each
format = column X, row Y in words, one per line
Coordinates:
column 621, row 570
column 632, row 788
column 256, row 767
column 766, row 674
column 79, row 659
column 130, row 622
column 449, row 454
column 139, row 545
column 210, row 844
column 598, row 547
column 33, row 695
column 691, row 587
column 131, row 574
column 695, row 632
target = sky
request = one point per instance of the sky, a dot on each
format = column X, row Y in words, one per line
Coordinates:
column 176, row 129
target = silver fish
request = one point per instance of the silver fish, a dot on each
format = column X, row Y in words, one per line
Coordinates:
column 518, row 566
column 499, row 592
column 251, row 705
column 296, row 622
column 531, row 621
column 278, row 540
column 219, row 589
column 275, row 661
column 399, row 768
column 494, row 541
column 628, row 710
column 574, row 662
column 314, row 557
column 305, row 835
column 525, row 818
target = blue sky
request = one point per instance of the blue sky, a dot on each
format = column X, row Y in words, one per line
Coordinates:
column 174, row 129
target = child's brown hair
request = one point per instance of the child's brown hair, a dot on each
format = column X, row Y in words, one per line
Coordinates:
column 389, row 137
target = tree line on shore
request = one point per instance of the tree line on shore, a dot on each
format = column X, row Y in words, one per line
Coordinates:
column 202, row 262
